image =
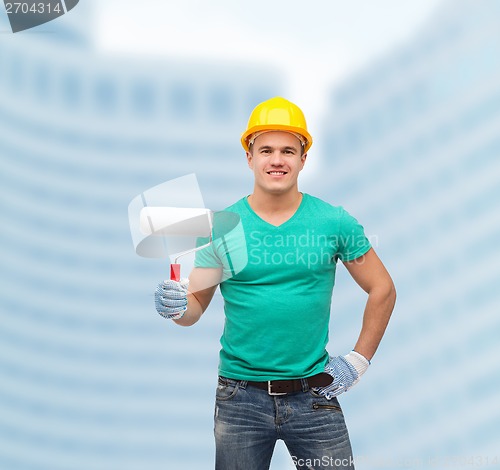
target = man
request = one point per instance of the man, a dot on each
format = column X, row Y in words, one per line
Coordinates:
column 276, row 380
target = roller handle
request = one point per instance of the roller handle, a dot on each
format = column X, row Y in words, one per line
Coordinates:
column 175, row 272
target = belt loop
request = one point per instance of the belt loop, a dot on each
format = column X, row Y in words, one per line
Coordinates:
column 243, row 384
column 305, row 385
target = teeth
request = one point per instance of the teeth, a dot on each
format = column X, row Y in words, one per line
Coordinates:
column 277, row 172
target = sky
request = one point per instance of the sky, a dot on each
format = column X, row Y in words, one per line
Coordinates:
column 317, row 44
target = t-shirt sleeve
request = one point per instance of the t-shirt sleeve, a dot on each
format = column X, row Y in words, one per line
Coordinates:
column 227, row 251
column 206, row 257
column 352, row 242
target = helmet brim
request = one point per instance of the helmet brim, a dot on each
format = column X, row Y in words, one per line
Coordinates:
column 276, row 127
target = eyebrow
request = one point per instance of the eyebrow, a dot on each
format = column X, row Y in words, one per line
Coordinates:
column 269, row 147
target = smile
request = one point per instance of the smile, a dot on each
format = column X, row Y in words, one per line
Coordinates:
column 276, row 173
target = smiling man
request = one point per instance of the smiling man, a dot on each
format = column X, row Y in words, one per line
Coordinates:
column 276, row 379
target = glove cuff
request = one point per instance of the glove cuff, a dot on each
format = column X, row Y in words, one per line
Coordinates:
column 358, row 361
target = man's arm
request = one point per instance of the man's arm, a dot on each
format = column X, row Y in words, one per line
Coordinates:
column 370, row 274
column 203, row 283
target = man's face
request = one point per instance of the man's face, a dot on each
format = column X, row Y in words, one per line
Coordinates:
column 276, row 160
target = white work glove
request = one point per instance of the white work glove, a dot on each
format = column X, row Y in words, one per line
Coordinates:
column 171, row 298
column 346, row 372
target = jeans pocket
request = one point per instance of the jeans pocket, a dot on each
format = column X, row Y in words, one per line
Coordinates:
column 326, row 406
column 320, row 402
column 226, row 389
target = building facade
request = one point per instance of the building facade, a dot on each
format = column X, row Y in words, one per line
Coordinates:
column 412, row 143
column 91, row 376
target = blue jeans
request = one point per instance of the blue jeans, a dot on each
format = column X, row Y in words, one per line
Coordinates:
column 249, row 421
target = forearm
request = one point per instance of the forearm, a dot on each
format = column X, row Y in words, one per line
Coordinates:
column 378, row 310
column 347, row 370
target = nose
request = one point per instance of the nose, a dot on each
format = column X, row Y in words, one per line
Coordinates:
column 276, row 158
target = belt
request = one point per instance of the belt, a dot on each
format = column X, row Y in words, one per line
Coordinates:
column 282, row 387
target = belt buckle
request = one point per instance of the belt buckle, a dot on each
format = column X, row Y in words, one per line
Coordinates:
column 270, row 392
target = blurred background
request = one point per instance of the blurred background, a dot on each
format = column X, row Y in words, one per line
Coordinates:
column 403, row 100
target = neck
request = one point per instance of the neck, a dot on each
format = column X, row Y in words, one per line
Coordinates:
column 274, row 203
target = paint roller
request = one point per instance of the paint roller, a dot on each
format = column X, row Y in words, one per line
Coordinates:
column 178, row 222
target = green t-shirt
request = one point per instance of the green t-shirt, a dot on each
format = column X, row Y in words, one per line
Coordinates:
column 277, row 303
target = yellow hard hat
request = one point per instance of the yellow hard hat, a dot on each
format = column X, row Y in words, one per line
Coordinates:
column 277, row 114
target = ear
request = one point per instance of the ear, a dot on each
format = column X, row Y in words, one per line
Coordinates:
column 303, row 160
column 250, row 160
